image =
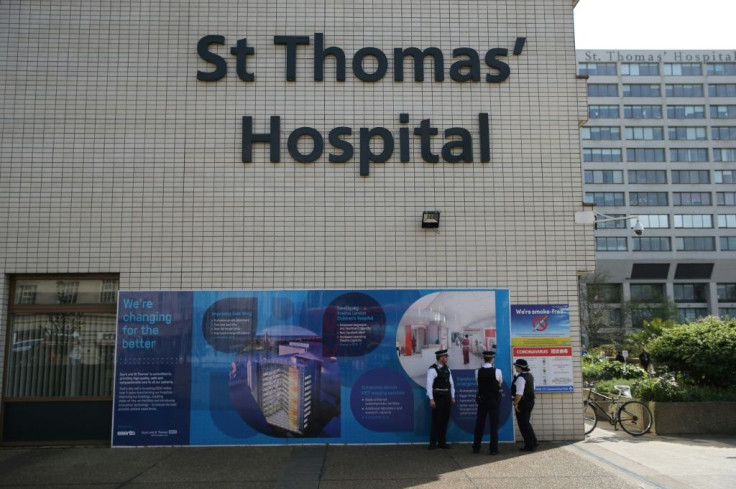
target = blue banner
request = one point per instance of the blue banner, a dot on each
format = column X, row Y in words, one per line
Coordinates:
column 300, row 366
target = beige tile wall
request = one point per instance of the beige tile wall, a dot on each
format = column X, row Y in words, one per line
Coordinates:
column 115, row 158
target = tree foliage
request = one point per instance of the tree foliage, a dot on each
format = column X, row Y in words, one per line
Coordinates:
column 702, row 353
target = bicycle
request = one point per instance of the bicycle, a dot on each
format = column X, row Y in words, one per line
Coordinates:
column 634, row 417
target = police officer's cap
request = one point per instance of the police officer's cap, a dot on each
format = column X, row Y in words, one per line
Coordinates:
column 489, row 354
column 440, row 353
column 522, row 364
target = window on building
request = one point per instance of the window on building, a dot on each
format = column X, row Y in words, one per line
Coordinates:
column 604, row 176
column 722, row 90
column 641, row 90
column 63, row 336
column 655, row 221
column 604, row 293
column 683, row 69
column 695, row 243
column 725, row 198
column 686, row 111
column 647, row 198
column 687, row 133
column 691, row 292
column 693, row 221
column 602, row 155
column 726, row 292
column 691, row 198
column 690, row 176
column 723, row 133
column 643, row 111
column 651, row 243
column 610, row 243
column 691, row 314
column 724, row 176
column 647, row 176
column 689, row 155
column 597, row 69
column 647, row 292
column 727, row 312
column 642, row 155
column 612, row 224
column 640, row 69
column 603, row 112
column 721, row 69
column 598, row 133
column 644, row 133
column 724, row 154
column 723, row 111
column 684, row 90
column 604, row 198
column 727, row 221
column 728, row 243
column 602, row 90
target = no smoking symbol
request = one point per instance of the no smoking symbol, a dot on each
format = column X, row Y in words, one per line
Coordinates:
column 540, row 323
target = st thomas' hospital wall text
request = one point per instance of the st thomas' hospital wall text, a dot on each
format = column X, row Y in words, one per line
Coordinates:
column 465, row 67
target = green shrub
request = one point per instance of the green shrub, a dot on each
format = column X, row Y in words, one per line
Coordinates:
column 606, row 369
column 667, row 389
column 660, row 389
column 701, row 353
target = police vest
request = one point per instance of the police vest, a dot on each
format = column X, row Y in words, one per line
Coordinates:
column 528, row 387
column 441, row 383
column 488, row 388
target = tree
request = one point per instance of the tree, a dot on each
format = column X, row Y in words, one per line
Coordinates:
column 600, row 309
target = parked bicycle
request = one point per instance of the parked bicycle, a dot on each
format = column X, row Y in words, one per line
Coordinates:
column 634, row 417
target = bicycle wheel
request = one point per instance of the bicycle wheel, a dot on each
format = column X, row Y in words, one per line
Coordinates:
column 635, row 418
column 589, row 417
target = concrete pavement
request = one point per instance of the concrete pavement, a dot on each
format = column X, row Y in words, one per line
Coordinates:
column 606, row 459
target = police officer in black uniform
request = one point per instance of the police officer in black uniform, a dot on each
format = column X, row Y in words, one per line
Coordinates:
column 441, row 393
column 522, row 393
column 488, row 399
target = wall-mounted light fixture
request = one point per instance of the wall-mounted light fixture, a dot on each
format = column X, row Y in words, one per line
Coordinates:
column 431, row 219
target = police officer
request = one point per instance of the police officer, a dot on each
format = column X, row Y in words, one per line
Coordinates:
column 522, row 392
column 441, row 393
column 489, row 381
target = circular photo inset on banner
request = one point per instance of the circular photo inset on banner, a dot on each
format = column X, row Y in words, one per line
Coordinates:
column 353, row 325
column 229, row 325
column 461, row 322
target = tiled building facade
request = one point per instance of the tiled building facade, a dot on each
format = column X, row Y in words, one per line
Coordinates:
column 660, row 144
column 124, row 156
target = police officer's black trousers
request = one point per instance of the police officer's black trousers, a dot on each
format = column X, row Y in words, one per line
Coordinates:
column 440, row 420
column 523, row 419
column 486, row 410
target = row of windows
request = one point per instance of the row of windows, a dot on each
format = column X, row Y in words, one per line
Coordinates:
column 655, row 112
column 683, row 292
column 660, row 198
column 652, row 69
column 657, row 155
column 655, row 90
column 678, row 177
column 681, row 221
column 663, row 243
column 656, row 133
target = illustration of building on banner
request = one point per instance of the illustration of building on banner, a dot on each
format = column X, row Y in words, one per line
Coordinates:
column 287, row 387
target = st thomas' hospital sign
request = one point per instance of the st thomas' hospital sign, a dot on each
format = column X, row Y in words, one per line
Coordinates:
column 466, row 67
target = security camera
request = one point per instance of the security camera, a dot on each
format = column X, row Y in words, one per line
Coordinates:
column 638, row 228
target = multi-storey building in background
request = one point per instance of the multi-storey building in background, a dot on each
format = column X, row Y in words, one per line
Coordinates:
column 660, row 144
